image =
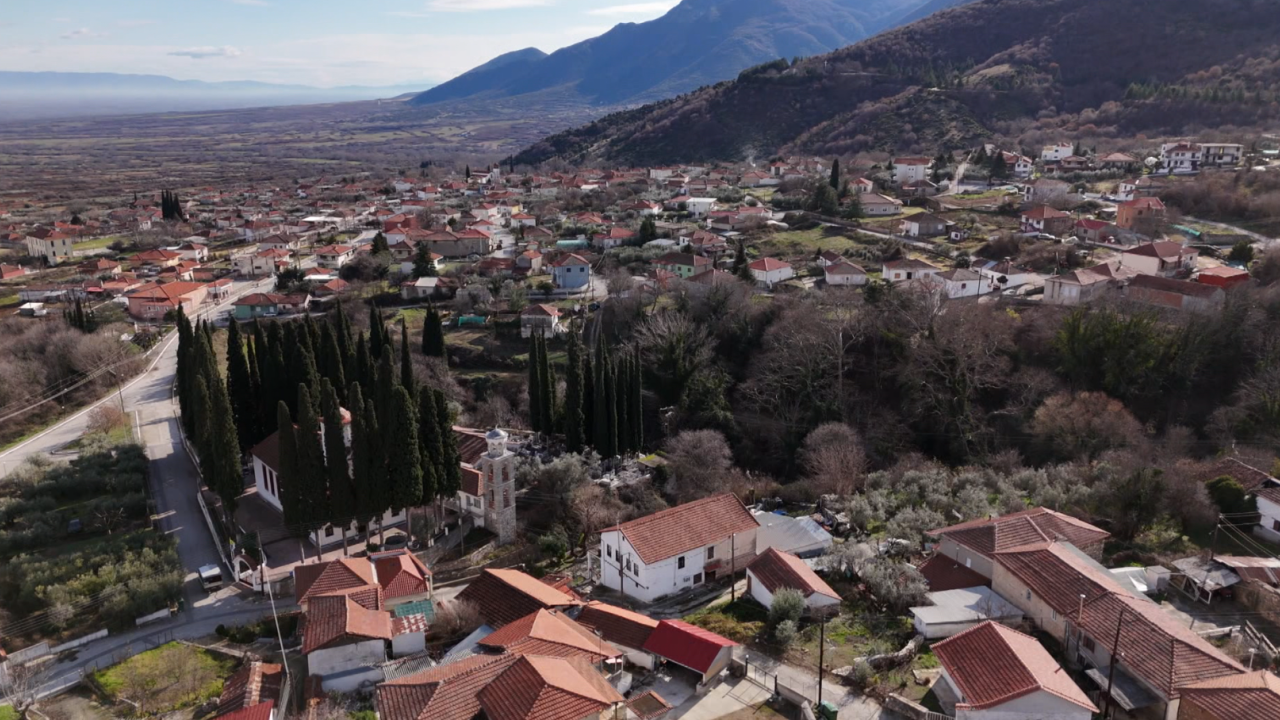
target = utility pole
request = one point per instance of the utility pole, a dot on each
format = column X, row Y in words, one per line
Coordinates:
column 1115, row 656
column 1213, row 543
column 733, row 568
column 284, row 659
column 822, row 656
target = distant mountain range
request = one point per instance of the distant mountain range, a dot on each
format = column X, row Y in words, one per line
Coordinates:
column 29, row 95
column 697, row 43
column 1097, row 67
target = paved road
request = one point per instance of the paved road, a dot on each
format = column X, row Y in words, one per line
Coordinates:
column 174, row 486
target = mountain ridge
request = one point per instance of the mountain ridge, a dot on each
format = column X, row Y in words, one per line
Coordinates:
column 964, row 74
column 697, row 42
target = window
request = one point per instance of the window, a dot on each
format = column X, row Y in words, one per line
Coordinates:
column 506, row 498
column 608, row 551
column 711, row 552
column 627, row 565
column 1028, row 596
column 1053, row 614
column 680, row 562
column 697, row 579
column 1088, row 643
column 1275, row 525
column 328, row 531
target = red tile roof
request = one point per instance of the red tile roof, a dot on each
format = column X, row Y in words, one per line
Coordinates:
column 253, row 684
column 1155, row 646
column 446, row 692
column 545, row 688
column 617, row 625
column 401, row 575
column 1161, row 249
column 261, row 711
column 768, row 264
column 334, row 619
column 686, row 527
column 1037, row 525
column 1236, row 697
column 329, row 577
column 992, row 665
column 549, row 633
column 686, row 644
column 943, row 573
column 1043, row 212
column 504, row 596
column 776, row 570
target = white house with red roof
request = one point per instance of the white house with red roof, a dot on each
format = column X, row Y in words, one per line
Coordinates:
column 774, row 570
column 678, row 548
column 541, row 320
column 770, row 271
column 990, row 672
column 571, row 272
column 334, row 256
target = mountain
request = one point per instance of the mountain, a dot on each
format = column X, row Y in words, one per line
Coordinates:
column 924, row 11
column 697, row 42
column 31, row 95
column 1020, row 68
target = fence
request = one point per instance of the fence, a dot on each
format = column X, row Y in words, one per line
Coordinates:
column 42, row 649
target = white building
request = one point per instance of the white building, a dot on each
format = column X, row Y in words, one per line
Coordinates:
column 907, row 170
column 344, row 641
column 678, row 548
column 1181, row 157
column 991, row 672
column 1268, row 499
column 844, row 273
column 877, row 205
column 701, row 207
column 334, row 256
column 773, row 571
column 897, row 271
column 1162, row 258
column 1055, row 153
column 951, row 612
column 1221, row 154
column 54, row 248
column 961, row 283
column 770, row 271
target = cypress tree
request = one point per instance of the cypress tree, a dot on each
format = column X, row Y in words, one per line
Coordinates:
column 377, row 333
column 223, row 448
column 429, row 445
column 835, row 174
column 255, row 387
column 405, row 470
column 364, row 364
column 288, row 479
column 185, row 340
column 279, row 386
column 546, row 387
column 573, row 418
column 636, row 404
column 433, row 344
column 342, row 500
column 309, row 376
column 588, row 399
column 378, row 489
column 331, row 361
column 406, row 361
column 244, row 404
column 200, row 404
column 602, row 436
column 363, row 454
column 535, row 386
column 314, row 504
column 382, row 387
column 450, row 477
column 621, row 380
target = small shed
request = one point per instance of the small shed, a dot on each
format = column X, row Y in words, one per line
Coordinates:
column 1205, row 580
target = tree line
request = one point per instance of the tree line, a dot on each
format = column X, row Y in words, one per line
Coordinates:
column 603, row 404
column 309, row 381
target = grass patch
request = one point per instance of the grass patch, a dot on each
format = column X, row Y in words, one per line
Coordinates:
column 741, row 620
column 167, row 678
column 97, row 244
column 8, row 713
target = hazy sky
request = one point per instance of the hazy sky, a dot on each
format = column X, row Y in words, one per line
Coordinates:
column 314, row 42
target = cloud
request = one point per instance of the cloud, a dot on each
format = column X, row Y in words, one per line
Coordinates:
column 200, row 53
column 644, row 8
column 81, row 33
column 480, row 5
column 135, row 23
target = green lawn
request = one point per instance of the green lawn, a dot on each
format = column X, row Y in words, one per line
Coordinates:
column 741, row 621
column 169, row 677
column 810, row 241
column 99, row 243
column 8, row 713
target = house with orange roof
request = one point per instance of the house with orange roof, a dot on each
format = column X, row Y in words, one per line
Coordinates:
column 974, row 544
column 991, row 672
column 774, row 570
column 678, row 548
column 154, row 300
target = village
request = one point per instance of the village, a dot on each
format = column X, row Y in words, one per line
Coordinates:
column 670, row 580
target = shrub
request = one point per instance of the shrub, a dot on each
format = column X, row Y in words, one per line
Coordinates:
column 554, row 544
column 785, row 633
column 1228, row 495
column 788, row 604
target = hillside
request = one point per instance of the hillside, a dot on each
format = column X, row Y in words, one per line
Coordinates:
column 967, row 73
column 697, row 42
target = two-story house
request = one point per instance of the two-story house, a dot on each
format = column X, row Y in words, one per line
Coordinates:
column 678, row 548
column 974, row 544
column 907, row 170
column 1162, row 259
column 571, row 272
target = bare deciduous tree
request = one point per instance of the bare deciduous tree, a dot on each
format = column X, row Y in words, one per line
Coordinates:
column 699, row 462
